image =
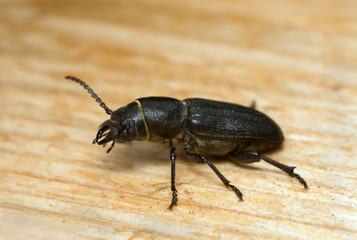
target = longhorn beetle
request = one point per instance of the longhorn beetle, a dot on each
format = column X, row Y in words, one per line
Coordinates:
column 202, row 127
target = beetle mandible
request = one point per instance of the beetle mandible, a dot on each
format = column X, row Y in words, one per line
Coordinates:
column 202, row 127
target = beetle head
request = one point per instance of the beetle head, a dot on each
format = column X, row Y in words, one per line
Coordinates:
column 120, row 128
column 110, row 131
column 107, row 132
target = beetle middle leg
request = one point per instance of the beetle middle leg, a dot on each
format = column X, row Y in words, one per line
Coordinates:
column 173, row 155
column 201, row 159
column 251, row 156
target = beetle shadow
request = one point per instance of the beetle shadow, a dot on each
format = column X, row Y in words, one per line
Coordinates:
column 128, row 156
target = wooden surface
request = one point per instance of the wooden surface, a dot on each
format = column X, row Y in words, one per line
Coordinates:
column 297, row 59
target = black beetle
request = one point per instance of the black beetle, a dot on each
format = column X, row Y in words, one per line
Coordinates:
column 202, row 127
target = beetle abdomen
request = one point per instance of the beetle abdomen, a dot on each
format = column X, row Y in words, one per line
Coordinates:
column 219, row 147
column 230, row 122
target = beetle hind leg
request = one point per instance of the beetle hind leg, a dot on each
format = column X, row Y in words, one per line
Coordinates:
column 250, row 157
column 201, row 159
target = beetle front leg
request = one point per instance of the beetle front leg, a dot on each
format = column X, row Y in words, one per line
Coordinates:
column 200, row 159
column 250, row 157
column 173, row 155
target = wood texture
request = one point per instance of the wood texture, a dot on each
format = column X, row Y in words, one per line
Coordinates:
column 297, row 59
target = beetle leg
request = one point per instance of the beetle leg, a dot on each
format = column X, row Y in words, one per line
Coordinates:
column 173, row 155
column 250, row 156
column 199, row 158
column 111, row 147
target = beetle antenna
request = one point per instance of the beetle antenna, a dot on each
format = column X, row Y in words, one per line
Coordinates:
column 90, row 91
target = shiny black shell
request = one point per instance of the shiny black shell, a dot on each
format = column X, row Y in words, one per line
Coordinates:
column 226, row 121
column 219, row 128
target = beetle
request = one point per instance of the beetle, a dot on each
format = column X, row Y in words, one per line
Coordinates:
column 202, row 127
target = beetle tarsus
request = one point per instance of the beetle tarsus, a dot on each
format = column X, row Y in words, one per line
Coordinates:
column 238, row 193
column 301, row 180
column 174, row 200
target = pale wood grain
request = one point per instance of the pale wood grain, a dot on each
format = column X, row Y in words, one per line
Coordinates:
column 297, row 59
